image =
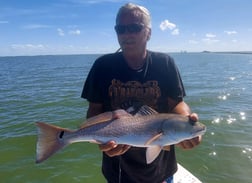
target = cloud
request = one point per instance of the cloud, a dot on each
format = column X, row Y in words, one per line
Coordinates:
column 27, row 46
column 75, row 32
column 193, row 42
column 210, row 38
column 210, row 35
column 210, row 41
column 35, row 26
column 230, row 32
column 60, row 32
column 175, row 32
column 167, row 25
column 97, row 1
column 28, row 49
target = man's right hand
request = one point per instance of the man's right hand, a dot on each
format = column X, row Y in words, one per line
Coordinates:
column 113, row 149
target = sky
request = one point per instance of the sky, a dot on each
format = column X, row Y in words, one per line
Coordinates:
column 47, row 27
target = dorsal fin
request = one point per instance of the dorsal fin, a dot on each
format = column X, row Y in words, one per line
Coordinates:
column 145, row 111
column 105, row 117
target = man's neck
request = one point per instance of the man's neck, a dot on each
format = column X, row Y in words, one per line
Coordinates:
column 135, row 61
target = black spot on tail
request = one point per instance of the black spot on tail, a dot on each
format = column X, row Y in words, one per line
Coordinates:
column 61, row 134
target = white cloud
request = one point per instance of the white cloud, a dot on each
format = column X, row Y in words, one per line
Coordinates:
column 230, row 32
column 97, row 1
column 175, row 32
column 27, row 46
column 193, row 42
column 60, row 32
column 35, row 26
column 164, row 25
column 210, row 35
column 75, row 32
column 28, row 49
column 167, row 25
column 210, row 41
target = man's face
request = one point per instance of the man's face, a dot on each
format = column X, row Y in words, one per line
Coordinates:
column 134, row 34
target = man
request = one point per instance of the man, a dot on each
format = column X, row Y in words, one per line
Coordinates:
column 134, row 77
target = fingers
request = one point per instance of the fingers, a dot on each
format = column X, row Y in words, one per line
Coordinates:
column 113, row 149
column 167, row 148
column 108, row 146
column 191, row 143
column 118, row 150
column 194, row 117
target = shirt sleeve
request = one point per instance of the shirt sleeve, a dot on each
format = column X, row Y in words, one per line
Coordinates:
column 91, row 89
column 178, row 91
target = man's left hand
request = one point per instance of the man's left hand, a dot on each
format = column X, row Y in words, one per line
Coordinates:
column 191, row 143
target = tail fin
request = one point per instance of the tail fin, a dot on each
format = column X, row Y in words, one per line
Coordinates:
column 50, row 140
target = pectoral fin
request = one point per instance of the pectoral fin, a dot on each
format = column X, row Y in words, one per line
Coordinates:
column 152, row 153
column 154, row 138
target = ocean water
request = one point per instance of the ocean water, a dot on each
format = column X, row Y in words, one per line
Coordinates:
column 48, row 88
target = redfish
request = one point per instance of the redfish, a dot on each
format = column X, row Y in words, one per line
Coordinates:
column 147, row 128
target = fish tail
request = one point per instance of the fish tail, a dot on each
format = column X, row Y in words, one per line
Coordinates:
column 50, row 140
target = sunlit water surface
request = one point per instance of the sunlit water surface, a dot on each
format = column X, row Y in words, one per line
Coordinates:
column 48, row 88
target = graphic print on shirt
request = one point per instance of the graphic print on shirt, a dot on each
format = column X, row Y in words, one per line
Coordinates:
column 134, row 93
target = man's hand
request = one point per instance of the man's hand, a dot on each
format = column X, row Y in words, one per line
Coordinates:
column 191, row 143
column 113, row 149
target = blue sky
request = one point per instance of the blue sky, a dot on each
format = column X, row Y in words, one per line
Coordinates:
column 30, row 27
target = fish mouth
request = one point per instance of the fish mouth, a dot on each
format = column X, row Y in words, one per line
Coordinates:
column 200, row 131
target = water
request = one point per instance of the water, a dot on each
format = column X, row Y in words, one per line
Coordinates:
column 48, row 88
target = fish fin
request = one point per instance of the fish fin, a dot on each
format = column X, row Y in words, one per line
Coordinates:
column 120, row 113
column 145, row 111
column 105, row 117
column 50, row 140
column 154, row 138
column 94, row 141
column 100, row 118
column 152, row 153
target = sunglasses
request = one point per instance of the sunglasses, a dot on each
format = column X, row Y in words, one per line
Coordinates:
column 131, row 28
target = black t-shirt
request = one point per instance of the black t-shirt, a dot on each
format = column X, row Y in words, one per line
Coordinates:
column 112, row 83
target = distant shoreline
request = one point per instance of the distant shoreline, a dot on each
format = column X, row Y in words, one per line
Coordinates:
column 217, row 52
column 229, row 52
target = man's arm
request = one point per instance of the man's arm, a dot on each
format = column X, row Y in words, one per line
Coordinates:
column 94, row 109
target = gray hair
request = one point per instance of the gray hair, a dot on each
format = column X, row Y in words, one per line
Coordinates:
column 139, row 10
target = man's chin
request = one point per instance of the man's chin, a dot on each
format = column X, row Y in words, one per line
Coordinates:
column 128, row 47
